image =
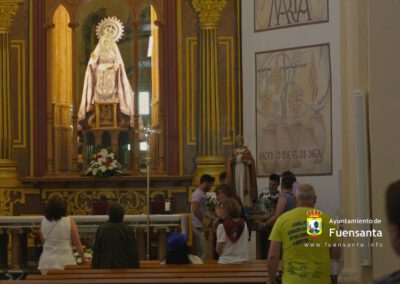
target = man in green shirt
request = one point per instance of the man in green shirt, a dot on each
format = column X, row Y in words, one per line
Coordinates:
column 303, row 236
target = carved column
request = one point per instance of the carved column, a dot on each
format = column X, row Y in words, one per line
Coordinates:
column 3, row 249
column 135, row 136
column 162, row 241
column 50, row 113
column 8, row 166
column 141, row 243
column 209, row 139
column 74, row 26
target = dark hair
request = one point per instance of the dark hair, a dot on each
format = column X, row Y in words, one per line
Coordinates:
column 206, row 178
column 275, row 177
column 56, row 208
column 226, row 189
column 115, row 212
column 179, row 256
column 222, row 176
column 392, row 203
column 287, row 181
column 288, row 173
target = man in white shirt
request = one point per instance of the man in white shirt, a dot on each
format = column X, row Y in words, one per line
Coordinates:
column 198, row 208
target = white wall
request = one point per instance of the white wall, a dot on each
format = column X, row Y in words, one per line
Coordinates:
column 327, row 187
column 384, row 117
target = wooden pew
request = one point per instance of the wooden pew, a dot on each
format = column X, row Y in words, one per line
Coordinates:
column 156, row 264
column 174, row 274
column 202, row 280
column 153, row 272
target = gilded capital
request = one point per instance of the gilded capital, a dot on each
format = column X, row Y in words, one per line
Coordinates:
column 8, row 9
column 209, row 11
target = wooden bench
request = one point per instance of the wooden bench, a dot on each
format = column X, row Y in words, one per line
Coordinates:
column 202, row 280
column 156, row 263
column 154, row 272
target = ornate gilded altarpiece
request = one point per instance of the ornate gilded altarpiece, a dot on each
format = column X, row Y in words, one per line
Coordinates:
column 35, row 116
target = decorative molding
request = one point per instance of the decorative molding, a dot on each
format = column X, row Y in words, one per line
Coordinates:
column 19, row 45
column 209, row 11
column 8, row 9
column 80, row 201
column 10, row 197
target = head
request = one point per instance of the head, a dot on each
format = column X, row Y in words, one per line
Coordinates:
column 287, row 182
column 223, row 178
column 393, row 214
column 305, row 196
column 177, row 250
column 109, row 31
column 56, row 208
column 230, row 208
column 176, row 241
column 206, row 181
column 239, row 141
column 115, row 212
column 224, row 191
column 273, row 182
column 288, row 173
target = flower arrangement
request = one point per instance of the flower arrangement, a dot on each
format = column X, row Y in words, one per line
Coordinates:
column 103, row 164
column 88, row 253
column 268, row 200
column 211, row 200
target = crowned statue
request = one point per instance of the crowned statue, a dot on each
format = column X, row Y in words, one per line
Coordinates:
column 105, row 78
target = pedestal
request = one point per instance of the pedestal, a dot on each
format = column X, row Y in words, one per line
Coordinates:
column 212, row 165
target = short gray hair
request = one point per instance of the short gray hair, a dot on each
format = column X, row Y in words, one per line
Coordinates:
column 305, row 192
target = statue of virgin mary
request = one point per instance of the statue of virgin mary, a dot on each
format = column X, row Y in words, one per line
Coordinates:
column 105, row 77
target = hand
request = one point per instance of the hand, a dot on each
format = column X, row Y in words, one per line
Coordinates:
column 86, row 261
column 260, row 225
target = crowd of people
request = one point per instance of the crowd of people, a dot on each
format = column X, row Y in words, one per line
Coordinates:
column 284, row 233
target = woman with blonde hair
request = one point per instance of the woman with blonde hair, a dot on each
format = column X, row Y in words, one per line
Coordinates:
column 232, row 235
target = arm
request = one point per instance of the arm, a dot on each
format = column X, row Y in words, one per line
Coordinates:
column 76, row 240
column 273, row 260
column 219, row 247
column 196, row 209
column 221, row 237
column 280, row 207
column 335, row 253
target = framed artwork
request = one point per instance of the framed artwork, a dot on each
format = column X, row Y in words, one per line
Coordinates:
column 275, row 14
column 294, row 111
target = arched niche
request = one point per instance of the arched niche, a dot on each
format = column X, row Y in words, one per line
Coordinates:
column 60, row 93
column 143, row 72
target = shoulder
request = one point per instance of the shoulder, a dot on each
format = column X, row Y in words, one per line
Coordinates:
column 292, row 214
column 220, row 228
column 197, row 194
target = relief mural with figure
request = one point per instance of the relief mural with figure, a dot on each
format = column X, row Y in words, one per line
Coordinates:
column 294, row 111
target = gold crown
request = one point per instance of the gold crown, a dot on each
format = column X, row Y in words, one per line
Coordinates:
column 111, row 27
column 314, row 213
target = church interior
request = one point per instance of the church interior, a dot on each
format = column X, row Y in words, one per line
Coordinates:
column 133, row 101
